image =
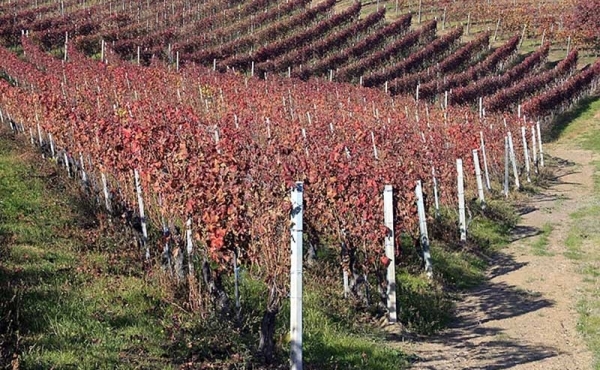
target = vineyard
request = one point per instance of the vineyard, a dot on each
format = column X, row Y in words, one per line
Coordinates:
column 194, row 120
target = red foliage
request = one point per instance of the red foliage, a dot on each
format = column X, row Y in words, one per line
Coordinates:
column 584, row 23
column 236, row 189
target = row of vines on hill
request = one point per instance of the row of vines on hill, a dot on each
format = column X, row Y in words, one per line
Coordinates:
column 216, row 153
column 561, row 21
column 300, row 40
column 223, row 150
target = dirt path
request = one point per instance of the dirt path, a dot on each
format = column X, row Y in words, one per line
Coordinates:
column 524, row 316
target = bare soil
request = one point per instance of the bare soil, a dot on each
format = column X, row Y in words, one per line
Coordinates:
column 524, row 315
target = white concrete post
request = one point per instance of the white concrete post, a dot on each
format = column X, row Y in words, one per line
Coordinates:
column 388, row 211
column 485, row 164
column 423, row 230
column 506, row 166
column 435, row 193
column 526, row 153
column 539, row 134
column 462, row 220
column 534, row 149
column 189, row 246
column 138, row 190
column 105, row 190
column 478, row 178
column 296, row 278
column 513, row 159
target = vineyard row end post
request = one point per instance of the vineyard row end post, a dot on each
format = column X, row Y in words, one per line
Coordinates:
column 296, row 277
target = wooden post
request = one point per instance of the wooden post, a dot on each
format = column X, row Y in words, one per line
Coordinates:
column 388, row 211
column 444, row 19
column 522, row 36
column 423, row 230
column 462, row 219
column 296, row 278
column 543, row 37
column 496, row 31
column 467, row 32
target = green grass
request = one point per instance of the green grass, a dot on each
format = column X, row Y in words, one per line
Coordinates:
column 573, row 244
column 81, row 301
column 64, row 312
column 540, row 246
column 425, row 307
column 332, row 343
column 578, row 125
column 458, row 269
column 581, row 127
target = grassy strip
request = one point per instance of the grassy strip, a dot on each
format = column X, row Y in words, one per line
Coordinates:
column 582, row 246
column 582, row 127
column 64, row 309
column 540, row 246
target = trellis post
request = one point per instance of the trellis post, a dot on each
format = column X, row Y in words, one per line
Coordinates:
column 138, row 189
column 424, row 236
column 296, row 278
column 388, row 211
column 462, row 220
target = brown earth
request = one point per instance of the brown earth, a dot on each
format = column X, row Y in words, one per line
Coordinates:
column 524, row 316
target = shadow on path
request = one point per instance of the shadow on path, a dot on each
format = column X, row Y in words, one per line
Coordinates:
column 478, row 338
column 468, row 344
